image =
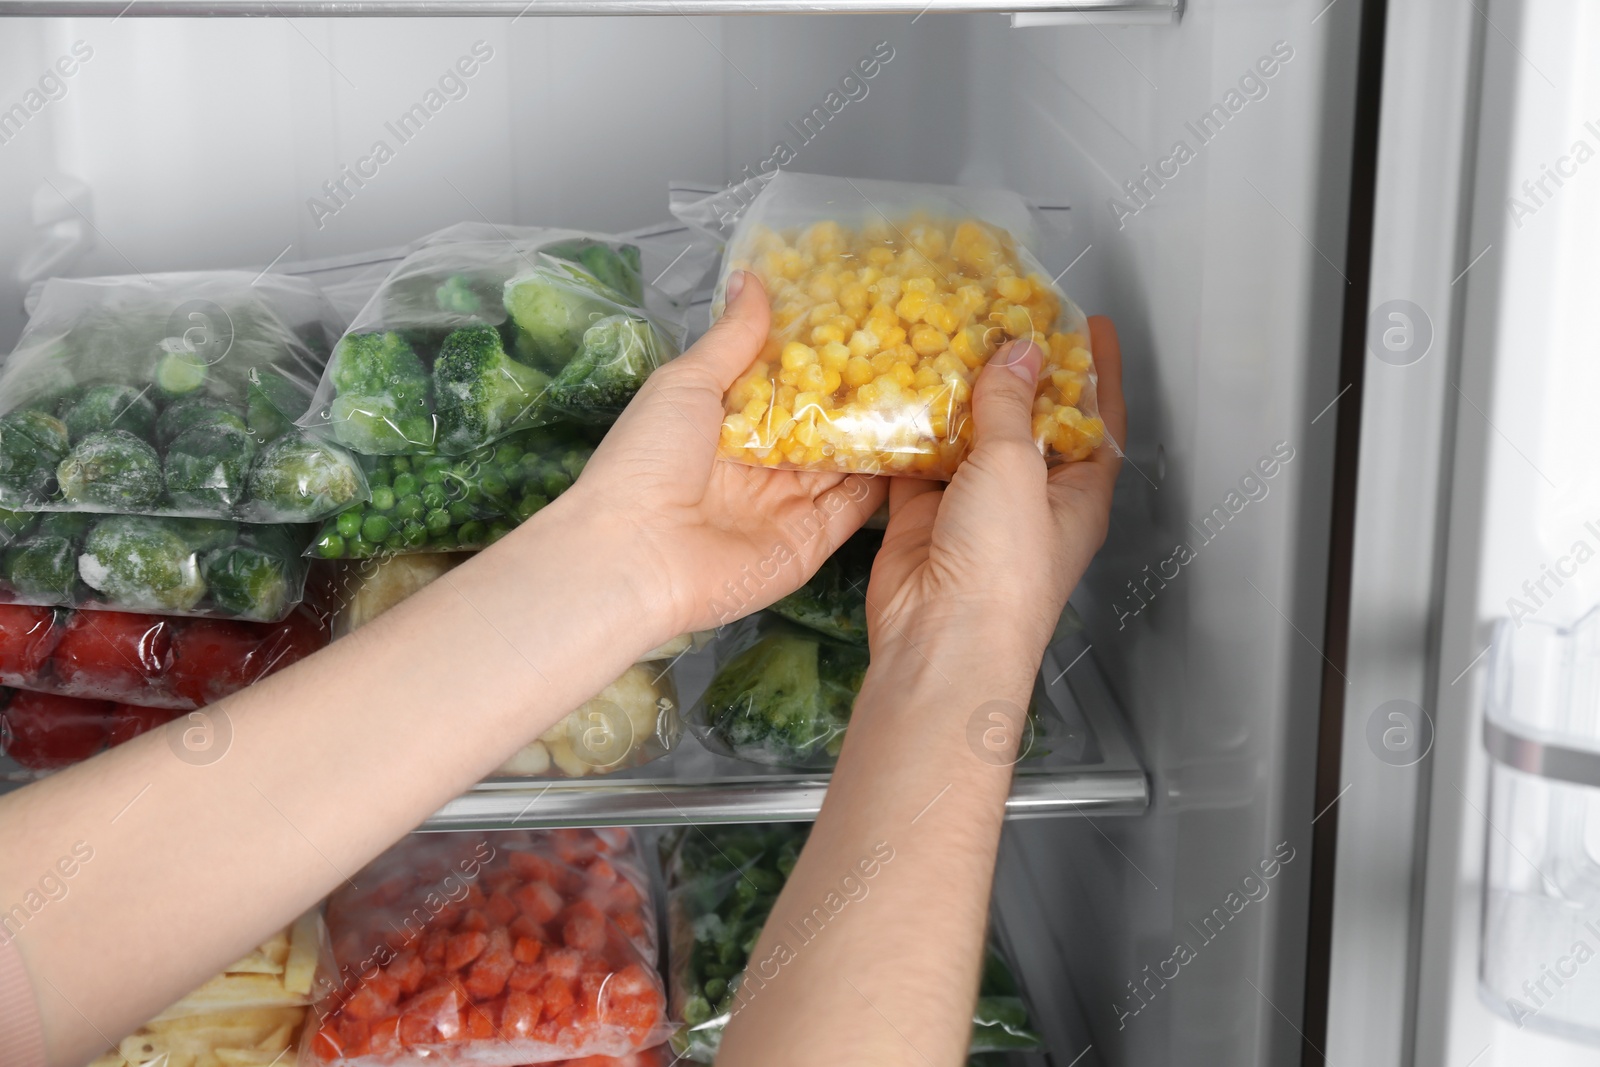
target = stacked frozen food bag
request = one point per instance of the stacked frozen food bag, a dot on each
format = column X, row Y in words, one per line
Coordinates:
column 157, row 501
column 480, row 375
column 722, row 882
column 250, row 1015
column 501, row 948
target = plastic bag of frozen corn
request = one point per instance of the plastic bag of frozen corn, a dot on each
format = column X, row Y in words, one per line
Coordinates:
column 887, row 299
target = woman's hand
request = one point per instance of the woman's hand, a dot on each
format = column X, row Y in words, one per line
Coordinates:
column 715, row 540
column 1003, row 544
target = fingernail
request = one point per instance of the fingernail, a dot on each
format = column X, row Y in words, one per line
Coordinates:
column 734, row 287
column 1022, row 358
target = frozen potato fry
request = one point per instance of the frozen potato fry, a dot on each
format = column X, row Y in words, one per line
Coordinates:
column 301, row 960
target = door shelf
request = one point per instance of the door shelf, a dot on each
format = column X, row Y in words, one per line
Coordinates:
column 1096, row 773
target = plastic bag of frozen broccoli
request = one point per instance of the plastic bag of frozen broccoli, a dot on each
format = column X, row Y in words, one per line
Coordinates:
column 153, row 564
column 174, row 395
column 722, row 882
column 483, row 331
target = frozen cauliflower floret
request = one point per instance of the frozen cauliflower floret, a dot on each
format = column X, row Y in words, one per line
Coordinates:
column 619, row 728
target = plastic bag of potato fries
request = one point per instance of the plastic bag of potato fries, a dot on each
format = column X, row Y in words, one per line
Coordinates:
column 887, row 299
column 251, row 1015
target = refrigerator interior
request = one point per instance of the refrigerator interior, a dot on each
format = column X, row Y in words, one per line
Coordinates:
column 1160, row 939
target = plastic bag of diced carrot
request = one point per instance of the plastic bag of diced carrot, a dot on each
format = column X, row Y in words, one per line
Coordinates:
column 495, row 949
column 887, row 300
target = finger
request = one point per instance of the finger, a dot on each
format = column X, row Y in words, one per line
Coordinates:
column 904, row 490
column 847, row 507
column 1002, row 401
column 734, row 340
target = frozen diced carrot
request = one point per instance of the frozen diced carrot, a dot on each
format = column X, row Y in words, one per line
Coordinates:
column 522, row 926
column 600, row 872
column 526, row 949
column 489, row 971
column 478, row 1024
column 539, row 901
column 385, row 1035
column 521, row 1014
column 374, row 998
column 584, row 927
column 407, row 969
column 355, row 1036
column 464, row 948
column 630, row 924
column 500, row 908
column 327, row 1045
column 563, row 962
column 526, row 976
column 531, row 867
column 557, row 996
column 474, row 920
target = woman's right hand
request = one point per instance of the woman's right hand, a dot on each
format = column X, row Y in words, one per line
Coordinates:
column 996, row 552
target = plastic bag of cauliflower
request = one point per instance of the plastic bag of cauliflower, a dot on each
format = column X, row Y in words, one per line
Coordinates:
column 629, row 723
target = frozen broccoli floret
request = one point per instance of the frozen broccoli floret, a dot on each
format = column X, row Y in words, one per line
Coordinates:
column 31, row 446
column 207, row 469
column 618, row 353
column 834, row 601
column 298, row 478
column 787, row 699
column 111, row 469
column 552, row 305
column 272, row 403
column 193, row 413
column 111, row 407
column 44, row 569
column 456, row 295
column 248, row 582
column 180, row 370
column 480, row 391
column 380, row 404
column 204, row 535
column 141, row 564
column 614, row 267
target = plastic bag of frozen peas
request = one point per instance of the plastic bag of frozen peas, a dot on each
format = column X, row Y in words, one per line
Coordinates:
column 171, row 394
column 887, row 299
column 468, row 340
column 501, row 948
column 162, row 566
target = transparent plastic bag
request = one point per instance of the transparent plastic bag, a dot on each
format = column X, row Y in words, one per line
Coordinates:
column 887, row 299
column 629, row 723
column 149, row 660
column 250, row 1014
column 161, row 566
column 503, row 948
column 781, row 694
column 430, row 502
column 171, row 394
column 478, row 334
column 834, row 601
column 722, row 882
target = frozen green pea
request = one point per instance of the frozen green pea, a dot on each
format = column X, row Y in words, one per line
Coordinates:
column 493, row 483
column 471, row 533
column 400, row 464
column 376, row 527
column 434, row 475
column 507, row 454
column 434, row 496
column 330, row 546
column 383, row 499
column 498, row 530
column 528, row 506
column 409, row 507
column 405, row 484
column 378, row 477
column 349, row 523
column 413, row 534
column 460, row 511
column 438, row 521
column 358, row 548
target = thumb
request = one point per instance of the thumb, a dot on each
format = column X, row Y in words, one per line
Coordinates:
column 1002, row 401
column 735, row 339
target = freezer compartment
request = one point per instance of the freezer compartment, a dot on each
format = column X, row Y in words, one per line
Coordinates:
column 1541, row 908
column 1094, row 769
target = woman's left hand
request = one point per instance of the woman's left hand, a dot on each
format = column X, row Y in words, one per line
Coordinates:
column 715, row 540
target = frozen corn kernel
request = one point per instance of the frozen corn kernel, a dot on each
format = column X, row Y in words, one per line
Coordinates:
column 877, row 337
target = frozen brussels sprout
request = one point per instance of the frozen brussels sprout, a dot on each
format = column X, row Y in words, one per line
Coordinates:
column 249, row 582
column 141, row 564
column 272, row 403
column 203, row 535
column 111, row 469
column 299, row 477
column 194, row 413
column 181, row 370
column 207, row 468
column 44, row 569
column 110, row 407
column 31, row 446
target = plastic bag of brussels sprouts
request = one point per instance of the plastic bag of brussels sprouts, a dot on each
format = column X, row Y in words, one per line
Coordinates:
column 722, row 882
column 172, row 394
column 153, row 564
column 480, row 332
column 436, row 503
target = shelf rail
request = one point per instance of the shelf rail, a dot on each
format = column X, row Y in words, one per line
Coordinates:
column 1039, row 11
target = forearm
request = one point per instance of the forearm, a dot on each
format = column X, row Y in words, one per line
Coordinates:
column 329, row 762
column 896, row 875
